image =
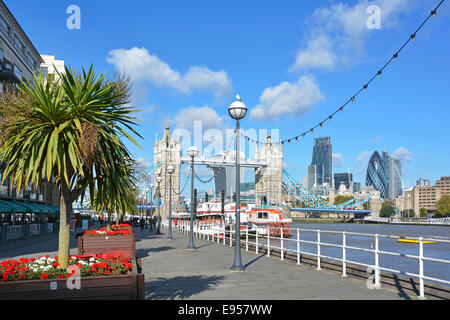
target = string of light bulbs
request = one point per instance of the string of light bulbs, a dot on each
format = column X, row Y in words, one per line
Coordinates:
column 352, row 98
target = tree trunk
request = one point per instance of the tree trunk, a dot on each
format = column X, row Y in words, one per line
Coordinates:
column 108, row 223
column 64, row 225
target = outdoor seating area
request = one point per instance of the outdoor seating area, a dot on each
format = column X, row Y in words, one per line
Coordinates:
column 24, row 219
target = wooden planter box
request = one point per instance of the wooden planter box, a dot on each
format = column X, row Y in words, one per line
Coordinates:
column 124, row 245
column 121, row 287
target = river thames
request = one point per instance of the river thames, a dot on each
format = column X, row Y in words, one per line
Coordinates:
column 438, row 250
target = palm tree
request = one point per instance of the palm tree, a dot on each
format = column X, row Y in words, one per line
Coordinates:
column 70, row 131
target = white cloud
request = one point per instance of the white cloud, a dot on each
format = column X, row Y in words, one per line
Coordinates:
column 403, row 154
column 143, row 163
column 377, row 139
column 337, row 35
column 288, row 99
column 185, row 118
column 362, row 158
column 338, row 160
column 144, row 67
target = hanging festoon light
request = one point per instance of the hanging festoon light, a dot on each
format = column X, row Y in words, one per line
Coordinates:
column 379, row 73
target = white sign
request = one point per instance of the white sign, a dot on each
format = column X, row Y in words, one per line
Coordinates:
column 53, row 285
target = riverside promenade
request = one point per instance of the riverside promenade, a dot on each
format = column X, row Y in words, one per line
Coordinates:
column 174, row 273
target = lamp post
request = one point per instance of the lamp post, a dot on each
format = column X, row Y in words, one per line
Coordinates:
column 237, row 111
column 170, row 170
column 192, row 152
column 151, row 203
column 158, row 191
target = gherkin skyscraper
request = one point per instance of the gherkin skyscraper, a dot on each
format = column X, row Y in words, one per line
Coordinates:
column 377, row 174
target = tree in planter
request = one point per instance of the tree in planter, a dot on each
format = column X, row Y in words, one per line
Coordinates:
column 115, row 192
column 387, row 210
column 423, row 212
column 443, row 205
column 68, row 130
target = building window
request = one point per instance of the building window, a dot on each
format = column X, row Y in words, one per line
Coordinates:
column 17, row 72
column 2, row 56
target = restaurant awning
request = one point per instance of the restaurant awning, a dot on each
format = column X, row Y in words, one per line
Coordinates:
column 16, row 208
column 5, row 208
column 31, row 208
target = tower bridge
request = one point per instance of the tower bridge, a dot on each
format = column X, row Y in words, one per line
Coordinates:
column 268, row 170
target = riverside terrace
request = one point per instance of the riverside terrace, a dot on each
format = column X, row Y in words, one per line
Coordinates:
column 172, row 272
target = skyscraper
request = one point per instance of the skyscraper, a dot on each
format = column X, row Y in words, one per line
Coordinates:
column 346, row 178
column 376, row 174
column 322, row 159
column 385, row 175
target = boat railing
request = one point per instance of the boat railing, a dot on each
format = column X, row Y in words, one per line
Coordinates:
column 271, row 241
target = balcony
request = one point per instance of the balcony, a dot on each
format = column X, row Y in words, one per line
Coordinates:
column 7, row 73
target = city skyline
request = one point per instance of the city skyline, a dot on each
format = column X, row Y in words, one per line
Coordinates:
column 387, row 117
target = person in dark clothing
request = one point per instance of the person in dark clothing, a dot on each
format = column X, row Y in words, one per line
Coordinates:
column 142, row 224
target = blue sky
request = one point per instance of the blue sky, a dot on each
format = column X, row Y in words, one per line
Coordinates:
column 292, row 62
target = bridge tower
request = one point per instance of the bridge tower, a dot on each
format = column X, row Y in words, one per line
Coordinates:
column 168, row 152
column 268, row 179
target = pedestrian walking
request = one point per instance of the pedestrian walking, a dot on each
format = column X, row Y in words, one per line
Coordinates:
column 142, row 224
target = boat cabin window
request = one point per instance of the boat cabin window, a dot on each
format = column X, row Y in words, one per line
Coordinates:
column 262, row 215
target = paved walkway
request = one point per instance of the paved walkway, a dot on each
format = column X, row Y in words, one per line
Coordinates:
column 173, row 272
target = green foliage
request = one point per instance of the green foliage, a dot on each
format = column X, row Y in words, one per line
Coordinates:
column 443, row 205
column 69, row 130
column 341, row 199
column 387, row 210
column 423, row 212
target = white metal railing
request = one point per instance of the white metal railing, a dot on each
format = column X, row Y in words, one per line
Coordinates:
column 227, row 235
column 15, row 232
column 35, row 229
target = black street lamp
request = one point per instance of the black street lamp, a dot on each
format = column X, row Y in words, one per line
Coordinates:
column 237, row 111
column 192, row 152
column 158, row 192
column 170, row 170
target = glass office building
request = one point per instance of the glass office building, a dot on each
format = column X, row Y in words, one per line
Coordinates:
column 322, row 159
column 377, row 175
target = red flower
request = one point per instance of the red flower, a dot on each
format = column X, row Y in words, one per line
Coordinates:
column 44, row 276
column 55, row 264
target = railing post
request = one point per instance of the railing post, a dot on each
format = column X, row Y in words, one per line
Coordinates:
column 344, row 257
column 224, row 235
column 421, row 284
column 298, row 247
column 257, row 245
column 268, row 241
column 231, row 235
column 282, row 244
column 377, row 265
column 318, row 250
column 246, row 239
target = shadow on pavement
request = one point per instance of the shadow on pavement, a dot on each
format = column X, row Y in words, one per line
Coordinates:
column 179, row 287
column 141, row 253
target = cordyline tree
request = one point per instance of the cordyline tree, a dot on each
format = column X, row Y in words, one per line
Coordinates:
column 69, row 130
column 115, row 192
